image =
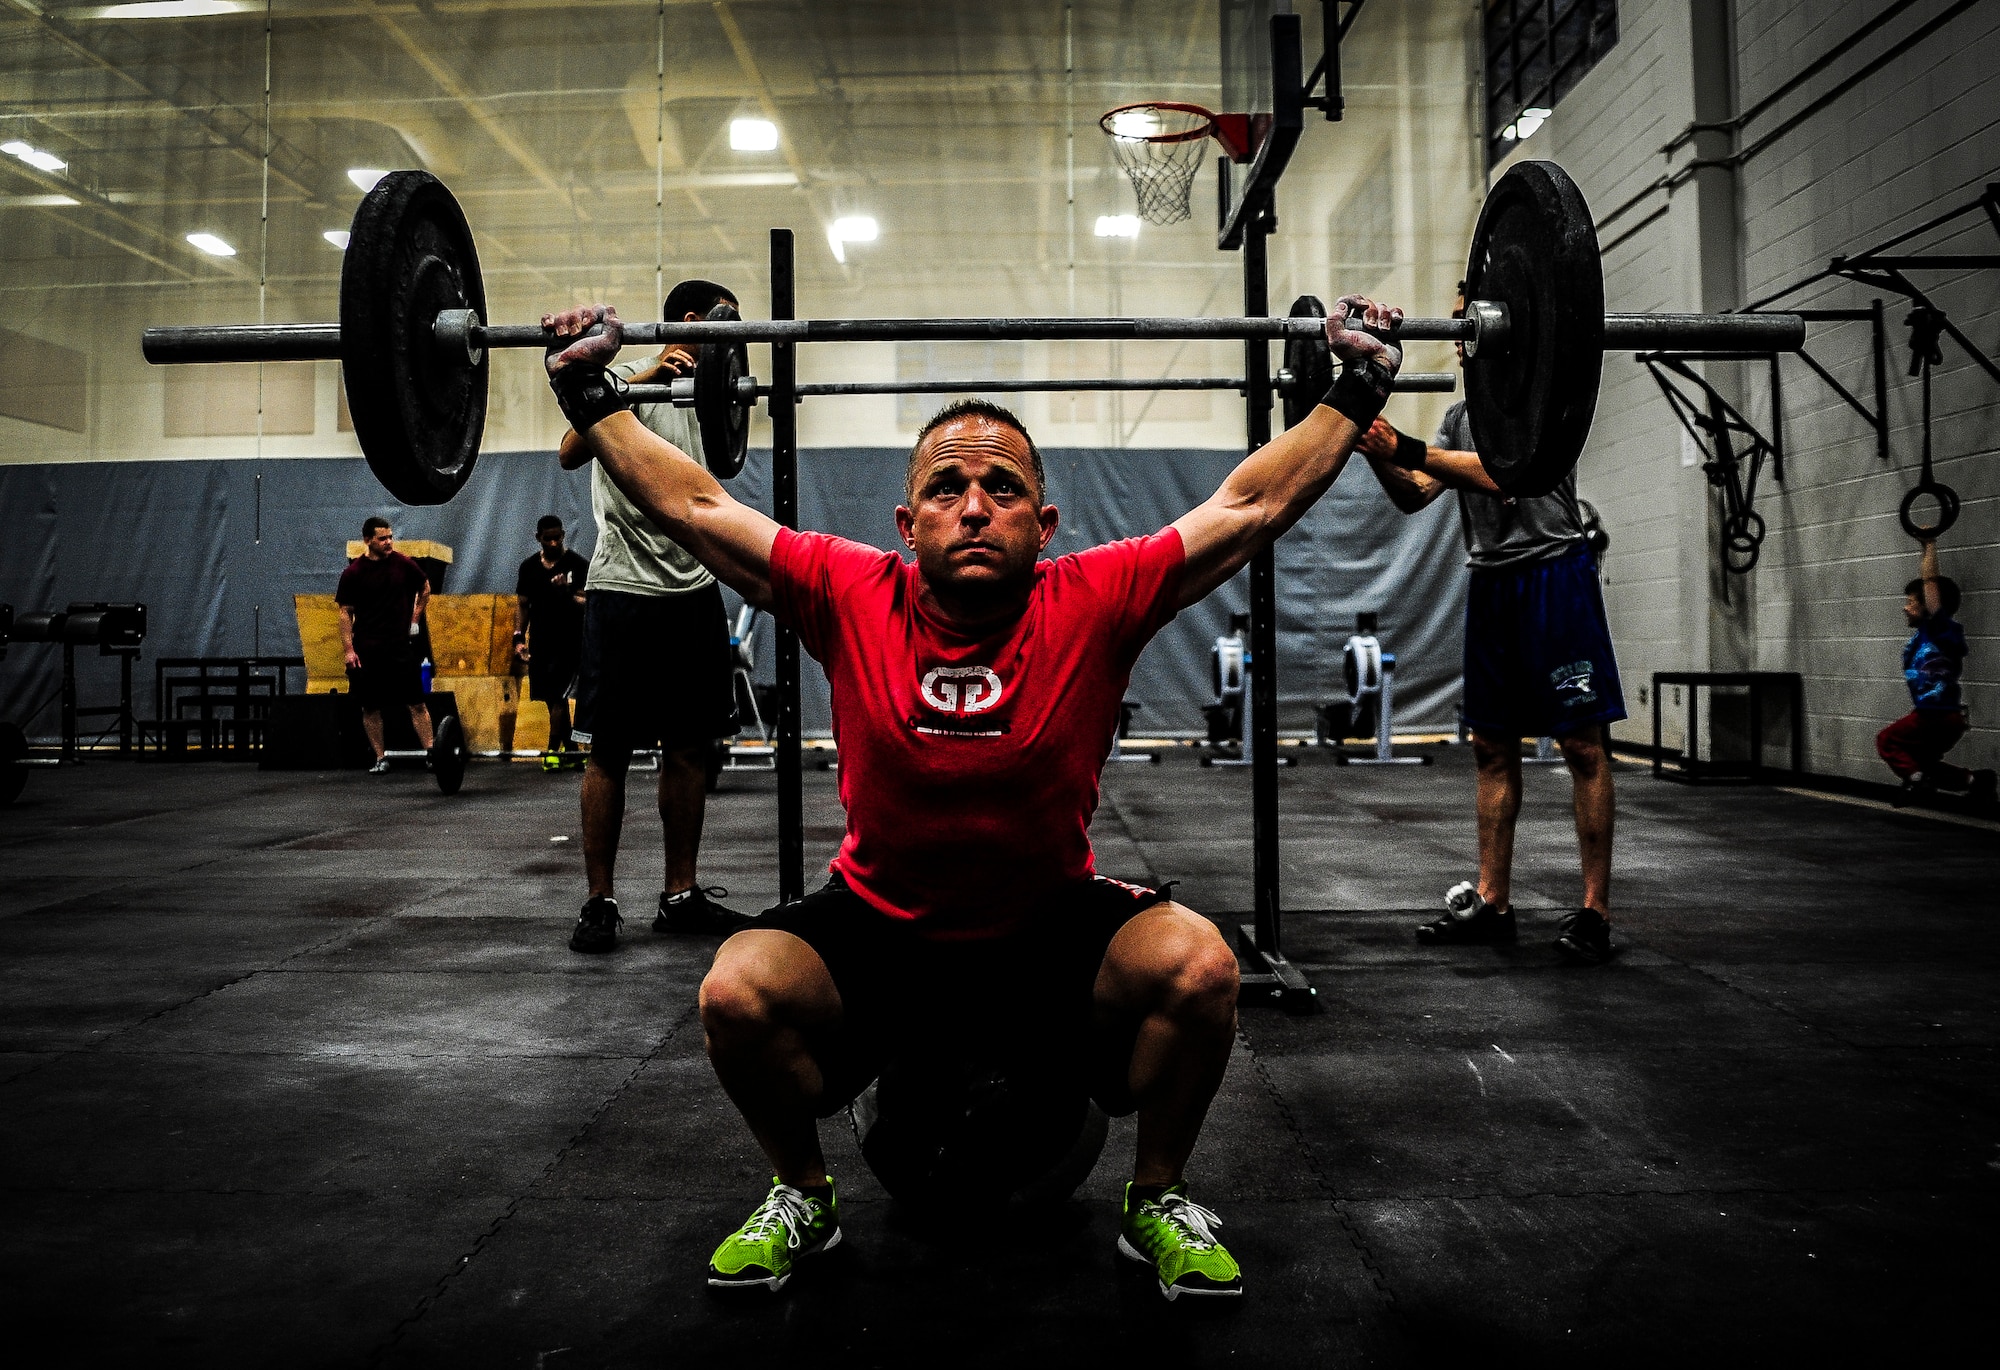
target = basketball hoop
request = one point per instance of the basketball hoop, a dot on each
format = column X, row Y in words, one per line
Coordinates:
column 1160, row 144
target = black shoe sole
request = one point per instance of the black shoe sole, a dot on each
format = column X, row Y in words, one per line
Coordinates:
column 612, row 945
column 1582, row 953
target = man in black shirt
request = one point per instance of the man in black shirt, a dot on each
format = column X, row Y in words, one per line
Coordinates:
column 548, row 628
column 381, row 597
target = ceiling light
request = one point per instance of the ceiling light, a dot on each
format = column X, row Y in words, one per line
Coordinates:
column 336, row 236
column 858, row 228
column 33, row 156
column 1134, row 123
column 752, row 135
column 365, row 178
column 169, row 9
column 211, row 244
column 1529, row 120
column 1117, row 225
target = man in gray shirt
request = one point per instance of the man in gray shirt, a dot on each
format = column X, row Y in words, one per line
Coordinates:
column 1538, row 662
column 656, row 668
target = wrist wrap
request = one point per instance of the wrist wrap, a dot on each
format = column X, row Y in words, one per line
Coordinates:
column 1360, row 391
column 1410, row 452
column 587, row 395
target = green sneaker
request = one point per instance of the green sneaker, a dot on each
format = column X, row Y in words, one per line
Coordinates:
column 1177, row 1238
column 787, row 1225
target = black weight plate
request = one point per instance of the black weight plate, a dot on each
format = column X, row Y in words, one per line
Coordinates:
column 723, row 420
column 1530, row 403
column 418, row 410
column 448, row 754
column 1310, row 362
column 13, row 763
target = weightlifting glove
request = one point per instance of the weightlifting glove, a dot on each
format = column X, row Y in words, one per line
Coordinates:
column 587, row 394
column 1360, row 391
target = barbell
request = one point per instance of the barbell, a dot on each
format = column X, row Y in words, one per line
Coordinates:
column 415, row 348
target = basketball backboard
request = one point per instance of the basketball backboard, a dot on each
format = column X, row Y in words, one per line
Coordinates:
column 1246, row 54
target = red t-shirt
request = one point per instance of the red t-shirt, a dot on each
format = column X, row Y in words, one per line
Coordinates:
column 969, row 764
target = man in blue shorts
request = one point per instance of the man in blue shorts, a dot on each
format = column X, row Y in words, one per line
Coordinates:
column 1538, row 663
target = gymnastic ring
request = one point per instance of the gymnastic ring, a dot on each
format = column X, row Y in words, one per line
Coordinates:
column 1948, row 502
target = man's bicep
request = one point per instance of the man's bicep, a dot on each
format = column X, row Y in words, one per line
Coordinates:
column 1217, row 540
column 735, row 541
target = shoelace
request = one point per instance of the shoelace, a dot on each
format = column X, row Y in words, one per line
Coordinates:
column 705, row 891
column 785, row 1206
column 1188, row 1217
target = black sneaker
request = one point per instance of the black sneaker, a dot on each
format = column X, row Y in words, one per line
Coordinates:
column 1585, row 937
column 596, row 926
column 1985, row 789
column 1918, row 788
column 695, row 910
column 1468, row 920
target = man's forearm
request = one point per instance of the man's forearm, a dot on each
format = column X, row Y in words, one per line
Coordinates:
column 1408, row 490
column 1927, row 570
column 1268, row 492
column 346, row 629
column 1459, row 470
column 1287, row 475
column 688, row 504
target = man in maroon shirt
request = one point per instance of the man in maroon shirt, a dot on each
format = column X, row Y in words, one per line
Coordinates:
column 975, row 693
column 382, row 595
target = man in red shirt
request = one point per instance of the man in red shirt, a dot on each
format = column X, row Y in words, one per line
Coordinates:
column 975, row 693
column 382, row 595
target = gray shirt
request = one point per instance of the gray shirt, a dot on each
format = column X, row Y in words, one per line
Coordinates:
column 1500, row 532
column 633, row 555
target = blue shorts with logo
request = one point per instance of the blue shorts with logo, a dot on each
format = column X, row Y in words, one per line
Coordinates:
column 1538, row 659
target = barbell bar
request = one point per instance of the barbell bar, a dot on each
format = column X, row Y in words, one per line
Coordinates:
column 298, row 342
column 415, row 348
column 680, row 391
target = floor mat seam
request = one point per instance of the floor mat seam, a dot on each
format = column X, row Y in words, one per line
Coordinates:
column 1320, row 1179
column 513, row 1205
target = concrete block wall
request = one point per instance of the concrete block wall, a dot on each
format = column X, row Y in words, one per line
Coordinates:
column 1916, row 139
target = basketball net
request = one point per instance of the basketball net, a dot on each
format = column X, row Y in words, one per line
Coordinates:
column 1160, row 144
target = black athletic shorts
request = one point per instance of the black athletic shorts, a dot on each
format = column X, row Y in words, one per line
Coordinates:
column 655, row 671
column 1022, row 1002
column 551, row 677
column 386, row 679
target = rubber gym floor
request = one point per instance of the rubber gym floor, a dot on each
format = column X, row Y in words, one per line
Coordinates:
column 296, row 1069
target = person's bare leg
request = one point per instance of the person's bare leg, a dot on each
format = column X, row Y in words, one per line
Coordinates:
column 371, row 724
column 558, row 725
column 766, row 1000
column 1499, row 808
column 1170, row 969
column 683, row 805
column 1596, row 811
column 420, row 719
column 603, row 821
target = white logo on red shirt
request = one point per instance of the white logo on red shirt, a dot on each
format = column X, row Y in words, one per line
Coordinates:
column 942, row 691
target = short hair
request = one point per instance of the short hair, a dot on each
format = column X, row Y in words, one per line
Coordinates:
column 1947, row 593
column 370, row 524
column 546, row 522
column 974, row 408
column 694, row 297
